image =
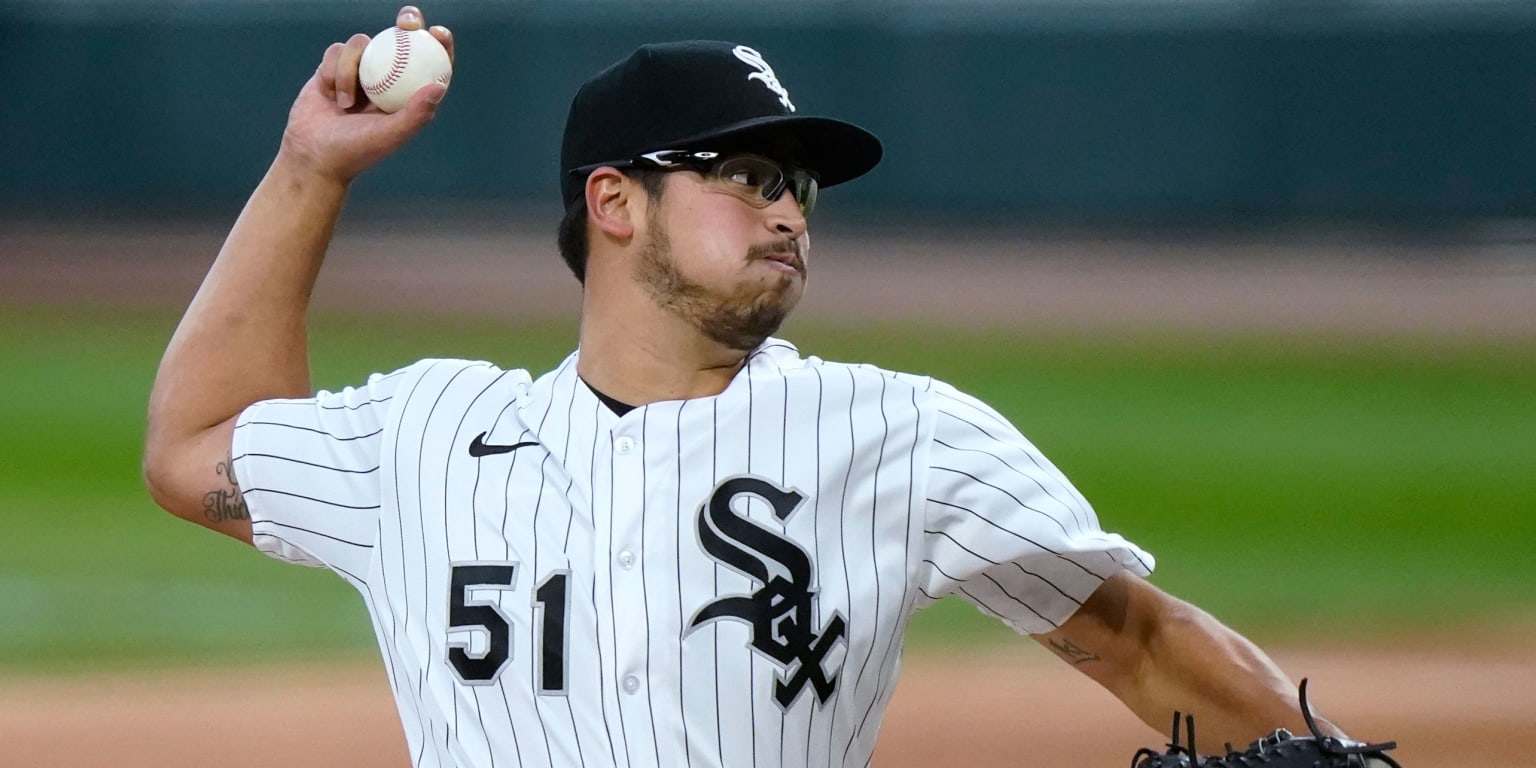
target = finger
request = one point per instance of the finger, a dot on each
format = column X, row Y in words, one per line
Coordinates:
column 327, row 70
column 445, row 37
column 409, row 18
column 416, row 113
column 426, row 99
column 346, row 70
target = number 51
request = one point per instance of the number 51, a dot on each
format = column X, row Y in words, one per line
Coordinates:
column 484, row 617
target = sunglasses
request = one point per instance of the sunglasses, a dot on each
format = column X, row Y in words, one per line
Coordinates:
column 756, row 180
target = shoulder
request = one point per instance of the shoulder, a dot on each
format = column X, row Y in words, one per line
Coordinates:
column 952, row 407
column 865, row 380
column 779, row 357
column 923, row 387
column 441, row 372
column 428, row 381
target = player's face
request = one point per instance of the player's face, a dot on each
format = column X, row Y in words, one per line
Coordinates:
column 732, row 266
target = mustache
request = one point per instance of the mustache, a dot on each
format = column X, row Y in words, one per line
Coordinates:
column 789, row 248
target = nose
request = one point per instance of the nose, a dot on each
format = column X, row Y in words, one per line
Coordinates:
column 784, row 216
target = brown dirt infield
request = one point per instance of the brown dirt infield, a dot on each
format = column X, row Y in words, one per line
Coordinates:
column 1447, row 707
column 1448, row 704
column 1343, row 287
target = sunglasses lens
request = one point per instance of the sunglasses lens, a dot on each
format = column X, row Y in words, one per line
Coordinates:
column 806, row 190
column 753, row 172
column 765, row 181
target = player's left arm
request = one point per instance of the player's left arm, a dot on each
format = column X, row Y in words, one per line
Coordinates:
column 1159, row 655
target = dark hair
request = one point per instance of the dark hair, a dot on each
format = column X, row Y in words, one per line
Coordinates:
column 572, row 234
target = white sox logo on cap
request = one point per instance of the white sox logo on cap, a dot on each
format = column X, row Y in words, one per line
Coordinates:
column 764, row 74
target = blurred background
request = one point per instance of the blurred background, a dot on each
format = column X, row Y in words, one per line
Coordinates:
column 1107, row 112
column 1259, row 275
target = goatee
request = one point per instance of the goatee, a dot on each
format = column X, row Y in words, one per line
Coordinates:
column 739, row 322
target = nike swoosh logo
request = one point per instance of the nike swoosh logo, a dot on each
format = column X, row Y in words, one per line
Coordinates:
column 478, row 447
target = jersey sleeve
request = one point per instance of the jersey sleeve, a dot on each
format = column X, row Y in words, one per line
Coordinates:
column 308, row 469
column 1004, row 529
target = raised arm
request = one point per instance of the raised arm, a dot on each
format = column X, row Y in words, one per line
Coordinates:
column 242, row 339
column 1159, row 654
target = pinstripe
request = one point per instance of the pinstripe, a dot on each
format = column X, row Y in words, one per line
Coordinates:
column 249, row 491
column 1014, row 563
column 714, row 478
column 995, row 582
column 343, row 407
column 810, row 728
column 475, row 555
column 357, row 580
column 566, row 450
column 310, row 531
column 1008, row 493
column 842, row 545
column 751, row 667
column 421, row 521
column 891, row 656
column 783, row 482
column 953, row 494
column 538, row 506
column 597, row 626
column 682, row 617
column 874, row 559
column 337, row 438
column 1070, row 508
column 404, row 590
column 570, row 367
column 275, row 457
column 1016, row 535
column 645, row 588
column 1076, row 508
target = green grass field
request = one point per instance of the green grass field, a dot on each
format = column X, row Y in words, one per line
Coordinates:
column 1293, row 489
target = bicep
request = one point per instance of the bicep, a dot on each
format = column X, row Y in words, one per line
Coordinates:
column 195, row 480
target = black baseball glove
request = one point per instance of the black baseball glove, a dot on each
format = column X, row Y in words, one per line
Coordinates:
column 1277, row 750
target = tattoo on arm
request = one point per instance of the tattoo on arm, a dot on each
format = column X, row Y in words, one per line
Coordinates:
column 1073, row 653
column 222, row 504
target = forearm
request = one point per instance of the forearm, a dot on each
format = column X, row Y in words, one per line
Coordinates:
column 1195, row 665
column 243, row 337
column 1161, row 655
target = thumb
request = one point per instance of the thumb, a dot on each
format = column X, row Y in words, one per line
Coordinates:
column 423, row 103
column 411, row 118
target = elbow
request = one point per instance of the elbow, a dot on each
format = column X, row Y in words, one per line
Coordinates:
column 163, row 472
column 155, row 471
column 189, row 477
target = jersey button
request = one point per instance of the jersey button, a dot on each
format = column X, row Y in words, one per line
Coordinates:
column 624, row 444
column 631, row 683
column 626, row 559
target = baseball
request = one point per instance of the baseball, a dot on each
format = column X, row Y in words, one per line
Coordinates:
column 397, row 62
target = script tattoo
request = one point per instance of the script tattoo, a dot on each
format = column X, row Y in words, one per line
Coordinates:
column 1073, row 653
column 220, row 504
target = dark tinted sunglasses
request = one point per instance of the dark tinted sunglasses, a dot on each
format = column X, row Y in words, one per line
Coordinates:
column 754, row 179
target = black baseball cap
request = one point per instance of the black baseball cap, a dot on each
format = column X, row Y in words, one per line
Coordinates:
column 702, row 95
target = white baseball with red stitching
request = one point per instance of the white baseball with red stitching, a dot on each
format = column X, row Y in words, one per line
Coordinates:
column 397, row 62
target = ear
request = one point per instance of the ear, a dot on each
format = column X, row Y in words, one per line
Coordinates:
column 612, row 205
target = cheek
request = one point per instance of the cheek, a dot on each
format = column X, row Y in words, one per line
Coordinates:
column 710, row 235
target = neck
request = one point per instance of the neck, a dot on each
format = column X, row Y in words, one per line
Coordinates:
column 638, row 353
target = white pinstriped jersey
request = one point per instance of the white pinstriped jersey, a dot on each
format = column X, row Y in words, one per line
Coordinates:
column 721, row 581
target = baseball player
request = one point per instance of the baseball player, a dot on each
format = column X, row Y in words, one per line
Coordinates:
column 688, row 544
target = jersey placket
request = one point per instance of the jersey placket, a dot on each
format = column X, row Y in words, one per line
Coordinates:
column 620, row 576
